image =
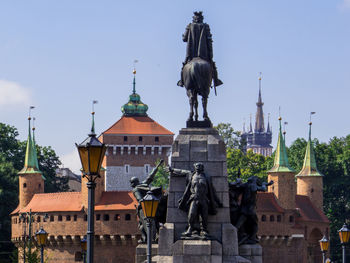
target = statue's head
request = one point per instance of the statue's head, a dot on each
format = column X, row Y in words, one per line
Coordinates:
column 198, row 17
column 134, row 181
column 198, row 167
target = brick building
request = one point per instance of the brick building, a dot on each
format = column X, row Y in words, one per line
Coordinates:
column 258, row 140
column 135, row 142
column 290, row 214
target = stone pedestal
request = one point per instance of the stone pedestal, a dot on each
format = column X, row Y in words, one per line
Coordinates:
column 251, row 252
column 141, row 252
column 203, row 145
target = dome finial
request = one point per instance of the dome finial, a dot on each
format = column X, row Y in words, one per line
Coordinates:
column 134, row 81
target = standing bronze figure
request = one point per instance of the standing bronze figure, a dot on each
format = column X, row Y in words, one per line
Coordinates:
column 198, row 200
column 199, row 69
column 244, row 217
column 140, row 190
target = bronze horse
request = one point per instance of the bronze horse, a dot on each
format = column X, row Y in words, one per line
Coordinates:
column 197, row 78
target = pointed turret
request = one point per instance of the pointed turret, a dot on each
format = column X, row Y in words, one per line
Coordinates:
column 281, row 163
column 259, row 117
column 30, row 177
column 268, row 124
column 282, row 175
column 250, row 124
column 31, row 159
column 309, row 179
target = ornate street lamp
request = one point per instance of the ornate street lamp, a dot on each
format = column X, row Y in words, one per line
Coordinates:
column 83, row 244
column 149, row 206
column 344, row 235
column 41, row 237
column 91, row 152
column 324, row 244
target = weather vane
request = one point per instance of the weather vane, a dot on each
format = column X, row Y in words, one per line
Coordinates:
column 30, row 111
column 311, row 113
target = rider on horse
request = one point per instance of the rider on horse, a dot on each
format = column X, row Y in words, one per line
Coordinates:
column 199, row 44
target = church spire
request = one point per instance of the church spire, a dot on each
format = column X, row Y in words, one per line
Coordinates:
column 281, row 163
column 259, row 117
column 309, row 166
column 31, row 159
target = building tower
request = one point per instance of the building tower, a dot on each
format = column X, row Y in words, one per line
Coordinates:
column 309, row 179
column 259, row 140
column 282, row 175
column 134, row 144
column 30, row 177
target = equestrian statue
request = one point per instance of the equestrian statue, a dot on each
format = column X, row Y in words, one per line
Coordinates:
column 199, row 69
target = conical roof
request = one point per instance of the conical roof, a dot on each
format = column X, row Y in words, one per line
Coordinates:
column 309, row 166
column 281, row 163
column 31, row 160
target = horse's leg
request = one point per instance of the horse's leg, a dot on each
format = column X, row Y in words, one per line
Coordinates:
column 191, row 100
column 205, row 113
column 196, row 107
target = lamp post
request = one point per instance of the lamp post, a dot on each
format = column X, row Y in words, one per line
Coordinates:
column 91, row 153
column 41, row 237
column 149, row 206
column 83, row 248
column 324, row 244
column 344, row 235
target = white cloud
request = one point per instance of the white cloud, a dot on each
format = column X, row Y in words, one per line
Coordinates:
column 345, row 5
column 72, row 161
column 12, row 93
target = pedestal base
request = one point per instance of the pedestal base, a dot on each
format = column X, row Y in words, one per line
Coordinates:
column 251, row 252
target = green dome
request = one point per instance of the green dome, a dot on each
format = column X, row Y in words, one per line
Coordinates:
column 134, row 107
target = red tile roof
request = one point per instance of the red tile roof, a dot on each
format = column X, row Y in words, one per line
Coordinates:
column 116, row 200
column 308, row 211
column 53, row 202
column 267, row 203
column 137, row 125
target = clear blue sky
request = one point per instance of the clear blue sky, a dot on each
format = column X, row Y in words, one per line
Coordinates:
column 61, row 55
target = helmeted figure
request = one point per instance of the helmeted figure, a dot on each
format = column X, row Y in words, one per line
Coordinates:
column 198, row 200
column 247, row 222
column 140, row 190
column 198, row 69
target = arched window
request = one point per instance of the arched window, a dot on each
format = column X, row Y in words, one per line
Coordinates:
column 272, row 218
column 67, row 217
column 24, row 185
column 291, row 219
column 59, row 218
column 116, row 217
column 52, row 218
column 106, row 217
column 263, row 218
column 279, row 218
column 75, row 217
column 38, row 219
column 127, row 217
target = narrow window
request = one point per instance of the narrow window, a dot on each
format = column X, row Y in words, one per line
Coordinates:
column 140, row 138
column 263, row 218
column 52, row 218
column 127, row 168
column 279, row 218
column 75, row 217
column 272, row 218
column 24, row 185
column 291, row 219
column 98, row 217
column 125, row 138
column 116, row 217
column 156, row 139
column 68, row 218
column 127, row 217
column 39, row 186
column 38, row 219
column 59, row 218
column 85, row 217
column 105, row 217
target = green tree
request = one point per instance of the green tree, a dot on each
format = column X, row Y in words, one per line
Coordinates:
column 161, row 178
column 231, row 137
column 12, row 153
